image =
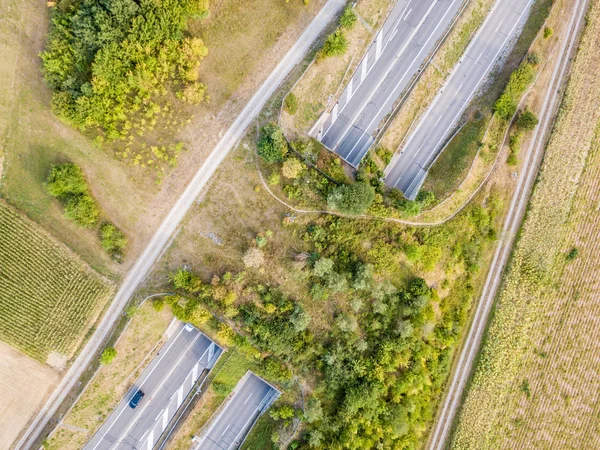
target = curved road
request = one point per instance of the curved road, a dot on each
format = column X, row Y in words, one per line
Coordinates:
column 512, row 223
column 145, row 261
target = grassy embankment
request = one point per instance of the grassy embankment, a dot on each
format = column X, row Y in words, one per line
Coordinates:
column 532, row 385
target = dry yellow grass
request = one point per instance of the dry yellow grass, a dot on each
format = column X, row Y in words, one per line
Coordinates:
column 24, row 383
column 536, row 384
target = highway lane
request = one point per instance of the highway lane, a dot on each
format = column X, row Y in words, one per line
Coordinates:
column 405, row 41
column 253, row 396
column 166, row 382
column 408, row 169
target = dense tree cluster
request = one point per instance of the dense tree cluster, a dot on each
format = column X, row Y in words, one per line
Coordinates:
column 110, row 61
column 380, row 366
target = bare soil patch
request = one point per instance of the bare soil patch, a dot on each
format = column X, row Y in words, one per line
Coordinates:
column 24, row 384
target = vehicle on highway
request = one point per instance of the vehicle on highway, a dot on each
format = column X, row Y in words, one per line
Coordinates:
column 136, row 399
column 189, row 327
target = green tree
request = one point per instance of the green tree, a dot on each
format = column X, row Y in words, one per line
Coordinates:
column 108, row 355
column 272, row 146
column 83, row 210
column 527, row 120
column 65, row 180
column 323, row 267
column 335, row 45
column 292, row 168
column 113, row 240
column 351, row 199
column 348, row 17
column 108, row 61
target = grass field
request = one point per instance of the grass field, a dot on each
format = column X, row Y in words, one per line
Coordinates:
column 48, row 297
column 24, row 383
column 452, row 165
column 535, row 385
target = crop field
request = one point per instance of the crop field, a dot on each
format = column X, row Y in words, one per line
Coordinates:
column 536, row 383
column 48, row 297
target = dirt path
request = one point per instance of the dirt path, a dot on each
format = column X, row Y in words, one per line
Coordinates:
column 512, row 223
column 148, row 257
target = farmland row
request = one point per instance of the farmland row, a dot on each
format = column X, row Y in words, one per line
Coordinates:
column 530, row 370
column 48, row 297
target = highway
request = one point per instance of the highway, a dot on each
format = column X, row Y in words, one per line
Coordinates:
column 406, row 39
column 442, row 429
column 166, row 382
column 251, row 397
column 145, row 261
column 408, row 169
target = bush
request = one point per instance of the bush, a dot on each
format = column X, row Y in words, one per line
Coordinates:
column 335, row 45
column 274, row 179
column 83, row 210
column 254, row 257
column 292, row 168
column 66, row 180
column 113, row 240
column 526, row 121
column 272, row 146
column 108, row 355
column 351, row 199
column 291, row 103
column 348, row 17
column 520, row 79
column 573, row 254
column 548, row 32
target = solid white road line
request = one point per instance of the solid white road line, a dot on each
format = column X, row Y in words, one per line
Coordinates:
column 242, row 429
column 363, row 67
column 368, row 70
column 150, row 442
column 180, row 396
column 165, row 418
column 472, row 92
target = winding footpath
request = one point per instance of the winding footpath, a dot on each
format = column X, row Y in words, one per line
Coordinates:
column 152, row 252
column 464, row 366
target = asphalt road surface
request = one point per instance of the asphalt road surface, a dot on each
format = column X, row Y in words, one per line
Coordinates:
column 166, row 382
column 170, row 223
column 405, row 41
column 532, row 157
column 408, row 169
column 253, row 396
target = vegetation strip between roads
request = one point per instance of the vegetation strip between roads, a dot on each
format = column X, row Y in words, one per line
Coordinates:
column 512, row 223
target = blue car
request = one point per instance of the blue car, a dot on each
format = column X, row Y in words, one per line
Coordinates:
column 136, row 399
